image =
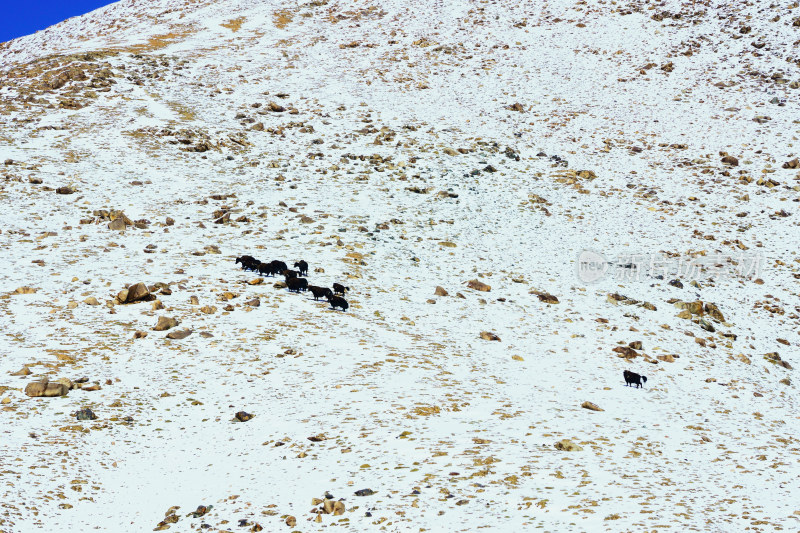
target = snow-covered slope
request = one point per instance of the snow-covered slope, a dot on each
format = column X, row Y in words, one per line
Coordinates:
column 399, row 147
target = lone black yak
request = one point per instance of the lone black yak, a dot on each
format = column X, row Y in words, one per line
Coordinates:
column 632, row 378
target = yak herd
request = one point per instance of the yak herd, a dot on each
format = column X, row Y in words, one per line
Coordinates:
column 296, row 279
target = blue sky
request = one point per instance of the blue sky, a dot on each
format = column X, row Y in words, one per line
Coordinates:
column 23, row 17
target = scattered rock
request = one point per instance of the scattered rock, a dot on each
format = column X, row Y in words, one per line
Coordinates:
column 66, row 189
column 547, row 298
column 566, row 445
column 179, row 334
column 24, row 371
column 46, row 389
column 85, row 414
column 489, row 336
column 291, row 521
column 730, row 160
column 202, row 510
column 478, row 285
column 591, row 406
column 241, row 416
column 91, row 300
column 440, row 291
column 165, row 323
column 140, row 334
column 626, row 352
column 137, row 292
column 364, row 492
column 25, row 290
column 775, row 358
column 713, row 311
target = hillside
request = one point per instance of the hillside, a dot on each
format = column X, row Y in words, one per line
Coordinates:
column 401, row 147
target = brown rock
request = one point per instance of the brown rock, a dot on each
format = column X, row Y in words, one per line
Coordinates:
column 636, row 345
column 241, row 416
column 566, row 445
column 137, row 292
column 547, row 298
column 489, row 336
column 440, row 291
column 24, row 371
column 165, row 323
column 626, row 352
column 730, row 160
column 794, row 163
column 591, row 406
column 291, row 521
column 255, row 302
column 714, row 312
column 667, row 358
column 66, row 382
column 140, row 335
column 117, row 224
column 179, row 334
column 91, row 300
column 66, row 189
column 255, row 281
column 46, row 389
column 208, row 309
column 478, row 285
column 25, row 290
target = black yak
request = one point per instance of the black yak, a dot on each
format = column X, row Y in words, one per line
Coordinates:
column 248, row 262
column 632, row 378
column 266, row 269
column 320, row 292
column 302, row 266
column 297, row 284
column 339, row 289
column 338, row 301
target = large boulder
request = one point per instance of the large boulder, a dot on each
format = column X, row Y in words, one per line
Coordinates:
column 45, row 389
column 165, row 323
column 478, row 285
column 138, row 292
